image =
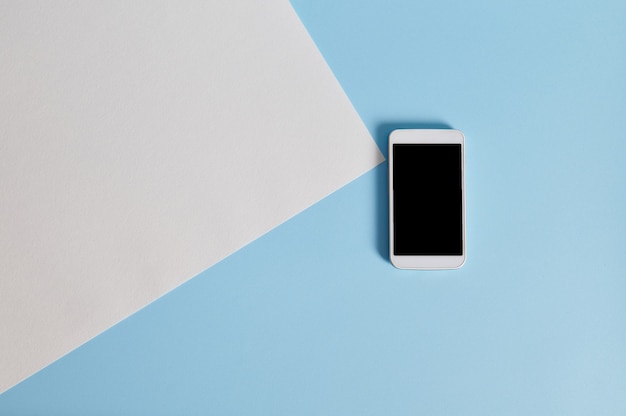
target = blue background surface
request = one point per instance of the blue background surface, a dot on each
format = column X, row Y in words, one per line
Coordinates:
column 312, row 318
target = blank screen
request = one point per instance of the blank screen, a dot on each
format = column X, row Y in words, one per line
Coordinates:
column 427, row 199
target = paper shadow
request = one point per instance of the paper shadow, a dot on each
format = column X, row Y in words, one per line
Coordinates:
column 382, row 178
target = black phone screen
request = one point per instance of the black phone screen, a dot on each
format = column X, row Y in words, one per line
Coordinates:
column 427, row 199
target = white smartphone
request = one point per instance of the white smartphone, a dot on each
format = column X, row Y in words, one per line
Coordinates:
column 427, row 199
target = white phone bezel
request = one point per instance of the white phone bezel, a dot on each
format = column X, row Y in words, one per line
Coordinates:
column 425, row 136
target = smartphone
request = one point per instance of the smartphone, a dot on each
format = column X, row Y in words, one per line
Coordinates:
column 426, row 199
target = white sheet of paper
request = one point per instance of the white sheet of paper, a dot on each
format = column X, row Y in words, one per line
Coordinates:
column 143, row 141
